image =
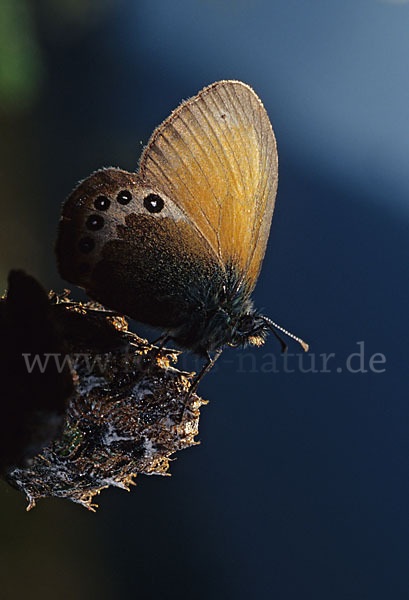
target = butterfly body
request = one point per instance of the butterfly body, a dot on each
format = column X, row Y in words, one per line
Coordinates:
column 179, row 244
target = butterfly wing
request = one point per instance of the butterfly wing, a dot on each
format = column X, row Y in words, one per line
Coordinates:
column 216, row 157
column 135, row 251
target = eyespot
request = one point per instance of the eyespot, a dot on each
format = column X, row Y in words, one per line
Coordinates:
column 124, row 197
column 102, row 203
column 95, row 222
column 153, row 203
column 86, row 244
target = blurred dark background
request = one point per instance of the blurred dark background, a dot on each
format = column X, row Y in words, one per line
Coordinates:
column 300, row 486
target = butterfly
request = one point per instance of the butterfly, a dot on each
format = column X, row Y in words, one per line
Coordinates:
column 179, row 244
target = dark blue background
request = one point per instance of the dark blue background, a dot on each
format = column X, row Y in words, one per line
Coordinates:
column 300, row 486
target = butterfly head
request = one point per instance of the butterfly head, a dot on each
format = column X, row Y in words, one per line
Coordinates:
column 253, row 329
column 250, row 329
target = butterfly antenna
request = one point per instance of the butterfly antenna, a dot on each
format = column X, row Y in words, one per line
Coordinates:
column 273, row 326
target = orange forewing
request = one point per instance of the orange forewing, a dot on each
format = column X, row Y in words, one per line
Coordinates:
column 215, row 156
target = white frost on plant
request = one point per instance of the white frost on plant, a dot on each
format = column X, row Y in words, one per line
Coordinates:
column 112, row 436
column 149, row 448
column 140, row 390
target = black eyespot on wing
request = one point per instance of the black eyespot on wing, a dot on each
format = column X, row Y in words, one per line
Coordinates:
column 95, row 222
column 86, row 245
column 153, row 203
column 124, row 197
column 102, row 203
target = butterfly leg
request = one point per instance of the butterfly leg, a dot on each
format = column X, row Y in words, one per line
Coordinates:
column 161, row 340
column 158, row 344
column 98, row 311
column 206, row 368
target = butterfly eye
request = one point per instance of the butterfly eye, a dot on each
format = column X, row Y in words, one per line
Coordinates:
column 102, row 203
column 95, row 222
column 124, row 197
column 246, row 323
column 153, row 203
